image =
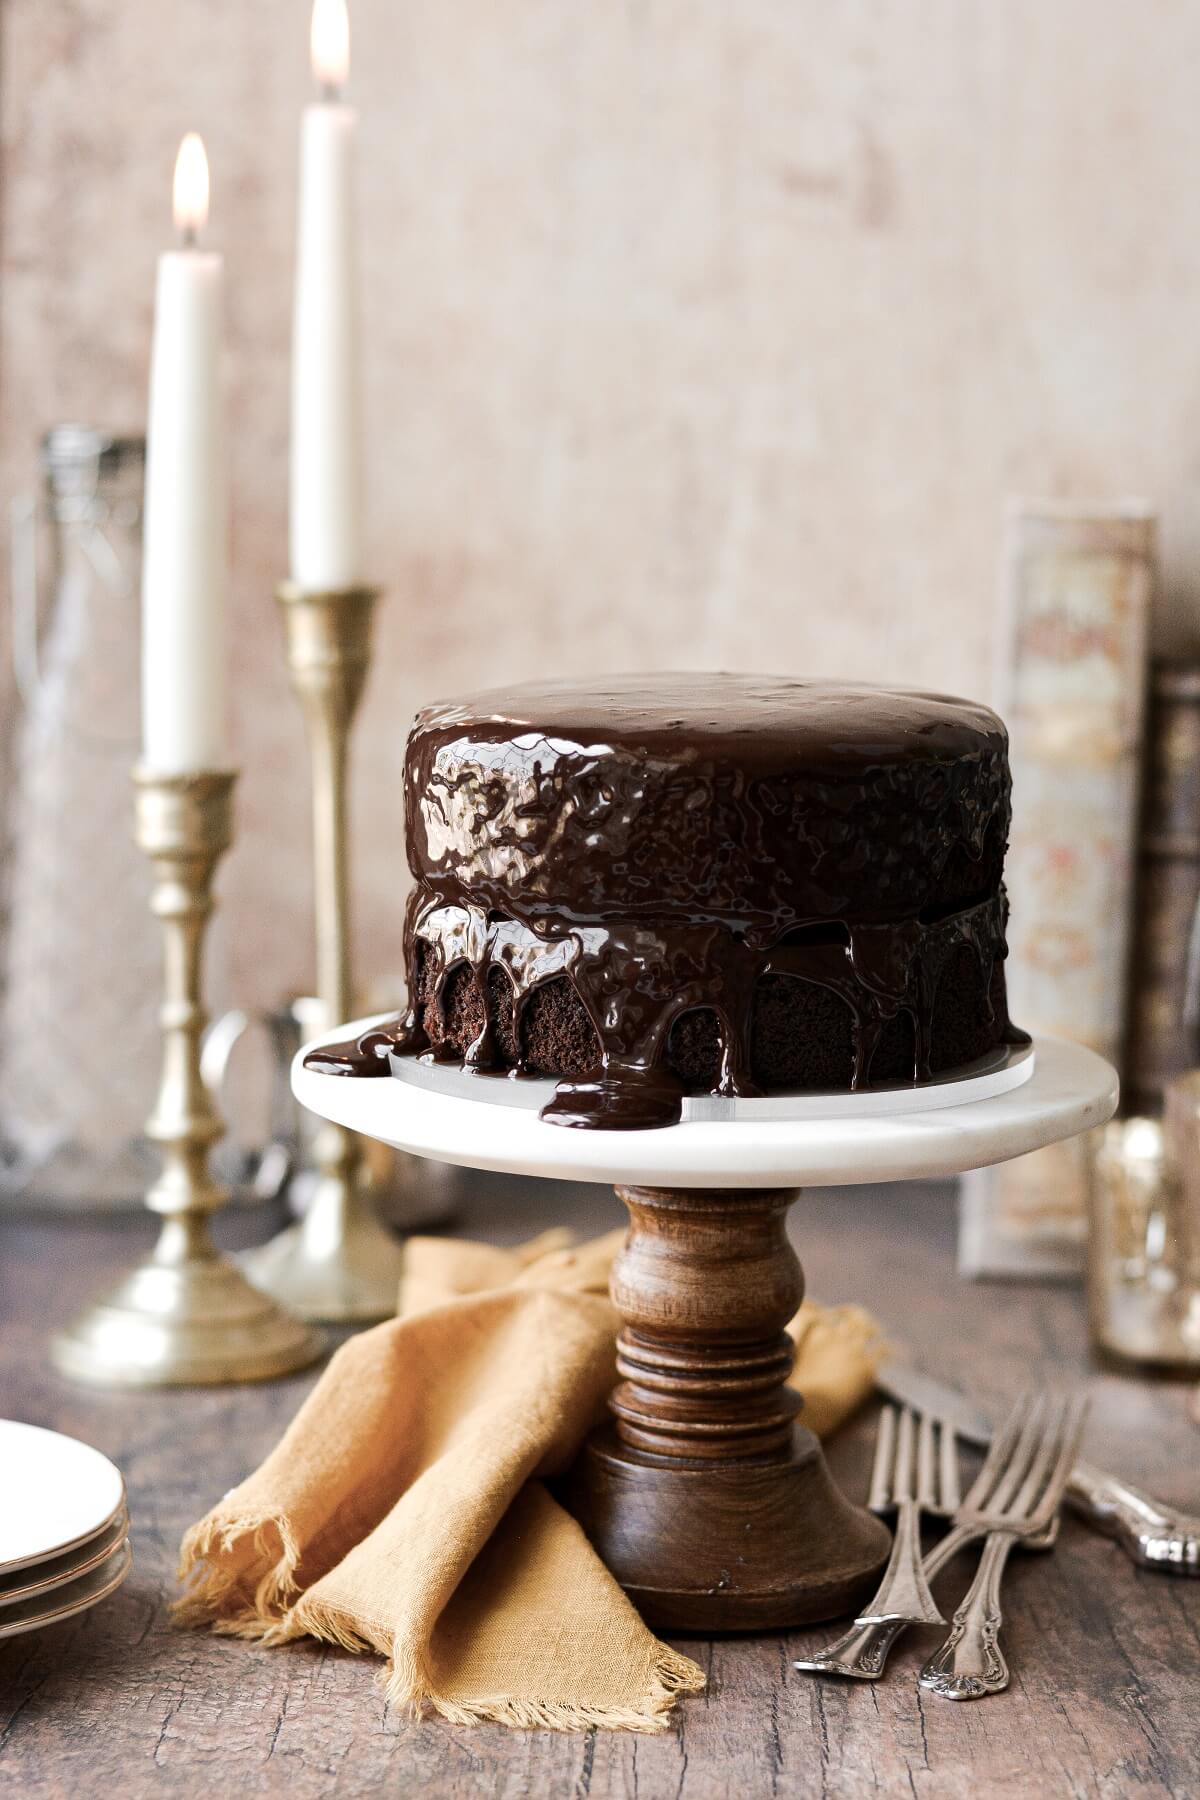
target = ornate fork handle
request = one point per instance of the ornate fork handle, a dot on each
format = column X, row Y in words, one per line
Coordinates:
column 970, row 1663
column 1157, row 1536
column 863, row 1651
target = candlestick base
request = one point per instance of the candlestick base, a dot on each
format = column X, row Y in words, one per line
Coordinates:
column 339, row 1265
column 183, row 1316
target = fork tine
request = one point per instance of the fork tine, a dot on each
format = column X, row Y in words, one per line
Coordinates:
column 927, row 1491
column 1002, row 1446
column 880, row 1497
column 948, row 1447
column 903, row 1475
column 1021, row 1504
column 1032, row 1434
column 1074, row 1414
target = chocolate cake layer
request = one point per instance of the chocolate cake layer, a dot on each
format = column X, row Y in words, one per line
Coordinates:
column 837, row 1008
column 722, row 883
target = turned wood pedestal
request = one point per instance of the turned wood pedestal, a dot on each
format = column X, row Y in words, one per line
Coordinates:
column 708, row 1501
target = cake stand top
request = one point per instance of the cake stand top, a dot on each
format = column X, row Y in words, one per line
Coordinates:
column 1071, row 1090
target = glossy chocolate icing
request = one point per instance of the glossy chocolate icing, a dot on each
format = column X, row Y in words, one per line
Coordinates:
column 751, row 801
column 664, row 844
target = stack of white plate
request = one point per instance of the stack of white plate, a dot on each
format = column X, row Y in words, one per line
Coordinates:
column 64, row 1530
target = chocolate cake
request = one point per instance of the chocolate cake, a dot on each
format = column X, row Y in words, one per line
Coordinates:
column 655, row 885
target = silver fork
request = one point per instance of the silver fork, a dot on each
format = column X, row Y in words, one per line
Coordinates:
column 862, row 1652
column 904, row 1478
column 970, row 1663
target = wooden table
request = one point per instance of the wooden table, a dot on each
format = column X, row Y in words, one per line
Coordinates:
column 1106, row 1686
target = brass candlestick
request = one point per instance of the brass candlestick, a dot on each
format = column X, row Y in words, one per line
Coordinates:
column 339, row 1264
column 185, row 1314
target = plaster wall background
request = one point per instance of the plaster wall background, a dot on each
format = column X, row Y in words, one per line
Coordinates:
column 706, row 334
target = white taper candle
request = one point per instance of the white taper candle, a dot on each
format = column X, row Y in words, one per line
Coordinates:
column 184, row 572
column 326, row 450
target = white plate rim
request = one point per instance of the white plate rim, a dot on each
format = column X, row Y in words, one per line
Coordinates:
column 48, row 1550
column 80, row 1561
column 121, row 1557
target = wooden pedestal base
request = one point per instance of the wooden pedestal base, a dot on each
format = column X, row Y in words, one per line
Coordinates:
column 712, row 1507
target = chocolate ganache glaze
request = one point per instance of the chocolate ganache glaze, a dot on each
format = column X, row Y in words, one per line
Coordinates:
column 654, row 885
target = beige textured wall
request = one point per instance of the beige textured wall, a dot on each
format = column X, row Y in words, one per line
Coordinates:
column 699, row 333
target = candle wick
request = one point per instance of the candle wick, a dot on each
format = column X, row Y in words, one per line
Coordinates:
column 331, row 93
column 187, row 237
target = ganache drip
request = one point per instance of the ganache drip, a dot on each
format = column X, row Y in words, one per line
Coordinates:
column 361, row 1056
column 634, row 982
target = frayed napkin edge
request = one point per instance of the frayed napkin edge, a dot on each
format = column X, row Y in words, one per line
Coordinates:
column 275, row 1617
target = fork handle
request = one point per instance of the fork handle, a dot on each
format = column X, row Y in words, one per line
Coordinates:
column 863, row 1651
column 1153, row 1534
column 970, row 1663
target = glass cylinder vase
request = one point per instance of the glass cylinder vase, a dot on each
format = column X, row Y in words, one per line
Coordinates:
column 80, row 978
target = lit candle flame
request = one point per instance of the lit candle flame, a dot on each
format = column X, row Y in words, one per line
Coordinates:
column 329, row 40
column 191, row 188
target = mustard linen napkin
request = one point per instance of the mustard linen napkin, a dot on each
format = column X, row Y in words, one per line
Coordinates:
column 403, row 1511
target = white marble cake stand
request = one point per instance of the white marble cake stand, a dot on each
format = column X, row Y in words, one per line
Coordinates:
column 711, row 1505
